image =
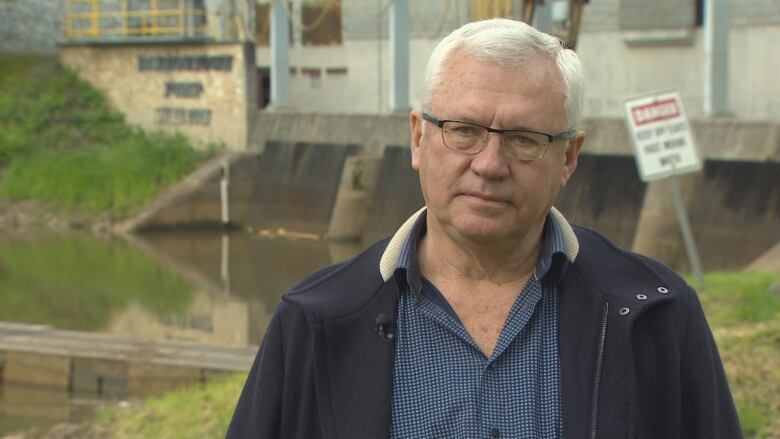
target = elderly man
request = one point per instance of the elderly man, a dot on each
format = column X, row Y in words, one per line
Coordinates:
column 487, row 315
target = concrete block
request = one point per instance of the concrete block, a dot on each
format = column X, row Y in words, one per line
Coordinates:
column 155, row 379
column 397, row 193
column 657, row 232
column 50, row 371
column 107, row 378
column 735, row 212
column 355, row 198
column 605, row 194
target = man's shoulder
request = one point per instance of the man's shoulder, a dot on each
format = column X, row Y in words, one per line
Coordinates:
column 620, row 271
column 341, row 288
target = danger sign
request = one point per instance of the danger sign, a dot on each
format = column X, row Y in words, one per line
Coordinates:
column 661, row 136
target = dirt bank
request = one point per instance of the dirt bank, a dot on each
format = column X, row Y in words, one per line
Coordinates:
column 31, row 216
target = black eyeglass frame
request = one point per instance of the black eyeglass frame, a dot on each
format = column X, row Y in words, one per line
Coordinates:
column 551, row 138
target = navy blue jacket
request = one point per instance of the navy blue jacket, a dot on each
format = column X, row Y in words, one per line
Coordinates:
column 637, row 357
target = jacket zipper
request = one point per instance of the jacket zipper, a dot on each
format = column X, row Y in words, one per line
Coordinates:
column 597, row 378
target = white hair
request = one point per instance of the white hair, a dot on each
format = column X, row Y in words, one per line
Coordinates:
column 509, row 43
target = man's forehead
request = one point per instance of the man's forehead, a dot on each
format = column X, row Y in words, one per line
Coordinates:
column 537, row 78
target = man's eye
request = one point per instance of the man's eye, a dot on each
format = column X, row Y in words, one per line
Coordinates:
column 464, row 130
column 515, row 139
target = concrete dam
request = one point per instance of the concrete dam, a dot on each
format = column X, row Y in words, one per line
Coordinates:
column 349, row 178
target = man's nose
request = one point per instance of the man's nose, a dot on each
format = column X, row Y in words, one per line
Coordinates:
column 491, row 163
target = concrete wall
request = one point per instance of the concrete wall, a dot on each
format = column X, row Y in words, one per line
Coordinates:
column 295, row 185
column 734, row 207
column 31, row 26
column 200, row 90
column 719, row 139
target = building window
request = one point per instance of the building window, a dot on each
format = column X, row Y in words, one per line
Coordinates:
column 321, row 22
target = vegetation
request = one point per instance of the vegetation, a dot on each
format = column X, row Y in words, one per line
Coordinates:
column 70, row 295
column 203, row 411
column 743, row 310
column 60, row 142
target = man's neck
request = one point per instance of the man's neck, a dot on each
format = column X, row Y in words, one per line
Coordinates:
column 444, row 253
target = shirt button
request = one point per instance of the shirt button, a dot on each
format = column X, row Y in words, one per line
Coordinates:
column 495, row 433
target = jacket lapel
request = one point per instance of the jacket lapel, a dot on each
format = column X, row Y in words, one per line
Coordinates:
column 356, row 370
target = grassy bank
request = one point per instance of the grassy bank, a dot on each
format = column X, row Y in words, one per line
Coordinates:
column 61, row 143
column 743, row 309
column 744, row 312
column 201, row 412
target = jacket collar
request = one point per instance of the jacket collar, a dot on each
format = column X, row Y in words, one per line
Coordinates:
column 392, row 253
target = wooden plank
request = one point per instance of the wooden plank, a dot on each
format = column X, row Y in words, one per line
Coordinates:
column 43, row 340
column 34, row 402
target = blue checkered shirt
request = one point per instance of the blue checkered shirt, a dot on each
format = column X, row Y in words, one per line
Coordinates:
column 445, row 387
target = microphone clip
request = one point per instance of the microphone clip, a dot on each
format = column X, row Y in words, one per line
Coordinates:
column 384, row 328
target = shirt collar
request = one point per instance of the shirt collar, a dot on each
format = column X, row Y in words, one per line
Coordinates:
column 407, row 271
column 552, row 257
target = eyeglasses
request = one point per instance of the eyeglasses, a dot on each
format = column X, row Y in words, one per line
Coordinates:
column 471, row 138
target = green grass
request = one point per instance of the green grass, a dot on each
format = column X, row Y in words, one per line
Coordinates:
column 203, row 411
column 62, row 143
column 80, row 282
column 117, row 179
column 742, row 309
column 744, row 312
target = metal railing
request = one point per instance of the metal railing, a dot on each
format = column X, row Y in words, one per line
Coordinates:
column 136, row 20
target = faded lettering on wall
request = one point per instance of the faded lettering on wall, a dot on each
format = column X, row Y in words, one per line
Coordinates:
column 183, row 89
column 171, row 63
column 183, row 116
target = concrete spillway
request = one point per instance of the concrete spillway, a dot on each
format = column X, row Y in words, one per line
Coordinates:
column 295, row 185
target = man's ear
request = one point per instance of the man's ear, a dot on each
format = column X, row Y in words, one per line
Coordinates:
column 570, row 157
column 416, row 127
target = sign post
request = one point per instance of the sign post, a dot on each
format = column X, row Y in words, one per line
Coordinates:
column 664, row 148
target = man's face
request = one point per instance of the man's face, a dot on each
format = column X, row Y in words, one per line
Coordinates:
column 490, row 198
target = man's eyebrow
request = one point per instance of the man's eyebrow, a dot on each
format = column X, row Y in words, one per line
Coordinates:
column 461, row 118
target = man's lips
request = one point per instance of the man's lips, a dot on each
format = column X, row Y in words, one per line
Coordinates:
column 485, row 197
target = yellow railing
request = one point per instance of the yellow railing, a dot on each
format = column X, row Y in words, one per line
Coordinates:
column 133, row 19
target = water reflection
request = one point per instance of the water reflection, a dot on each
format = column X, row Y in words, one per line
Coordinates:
column 239, row 277
column 206, row 287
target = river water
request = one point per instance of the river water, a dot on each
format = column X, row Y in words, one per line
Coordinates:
column 206, row 287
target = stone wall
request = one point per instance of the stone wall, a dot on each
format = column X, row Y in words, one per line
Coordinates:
column 201, row 90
